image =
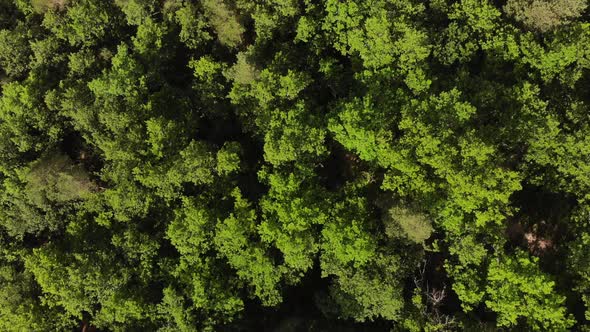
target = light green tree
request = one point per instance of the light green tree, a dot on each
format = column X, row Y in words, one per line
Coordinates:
column 518, row 290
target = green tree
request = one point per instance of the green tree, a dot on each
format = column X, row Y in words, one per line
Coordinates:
column 252, row 263
column 290, row 211
column 193, row 31
column 205, row 284
column 15, row 51
column 84, row 23
column 19, row 308
column 517, row 289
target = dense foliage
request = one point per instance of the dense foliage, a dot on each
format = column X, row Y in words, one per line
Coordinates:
column 386, row 165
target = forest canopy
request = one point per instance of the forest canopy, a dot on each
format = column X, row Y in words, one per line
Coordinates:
column 294, row 165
